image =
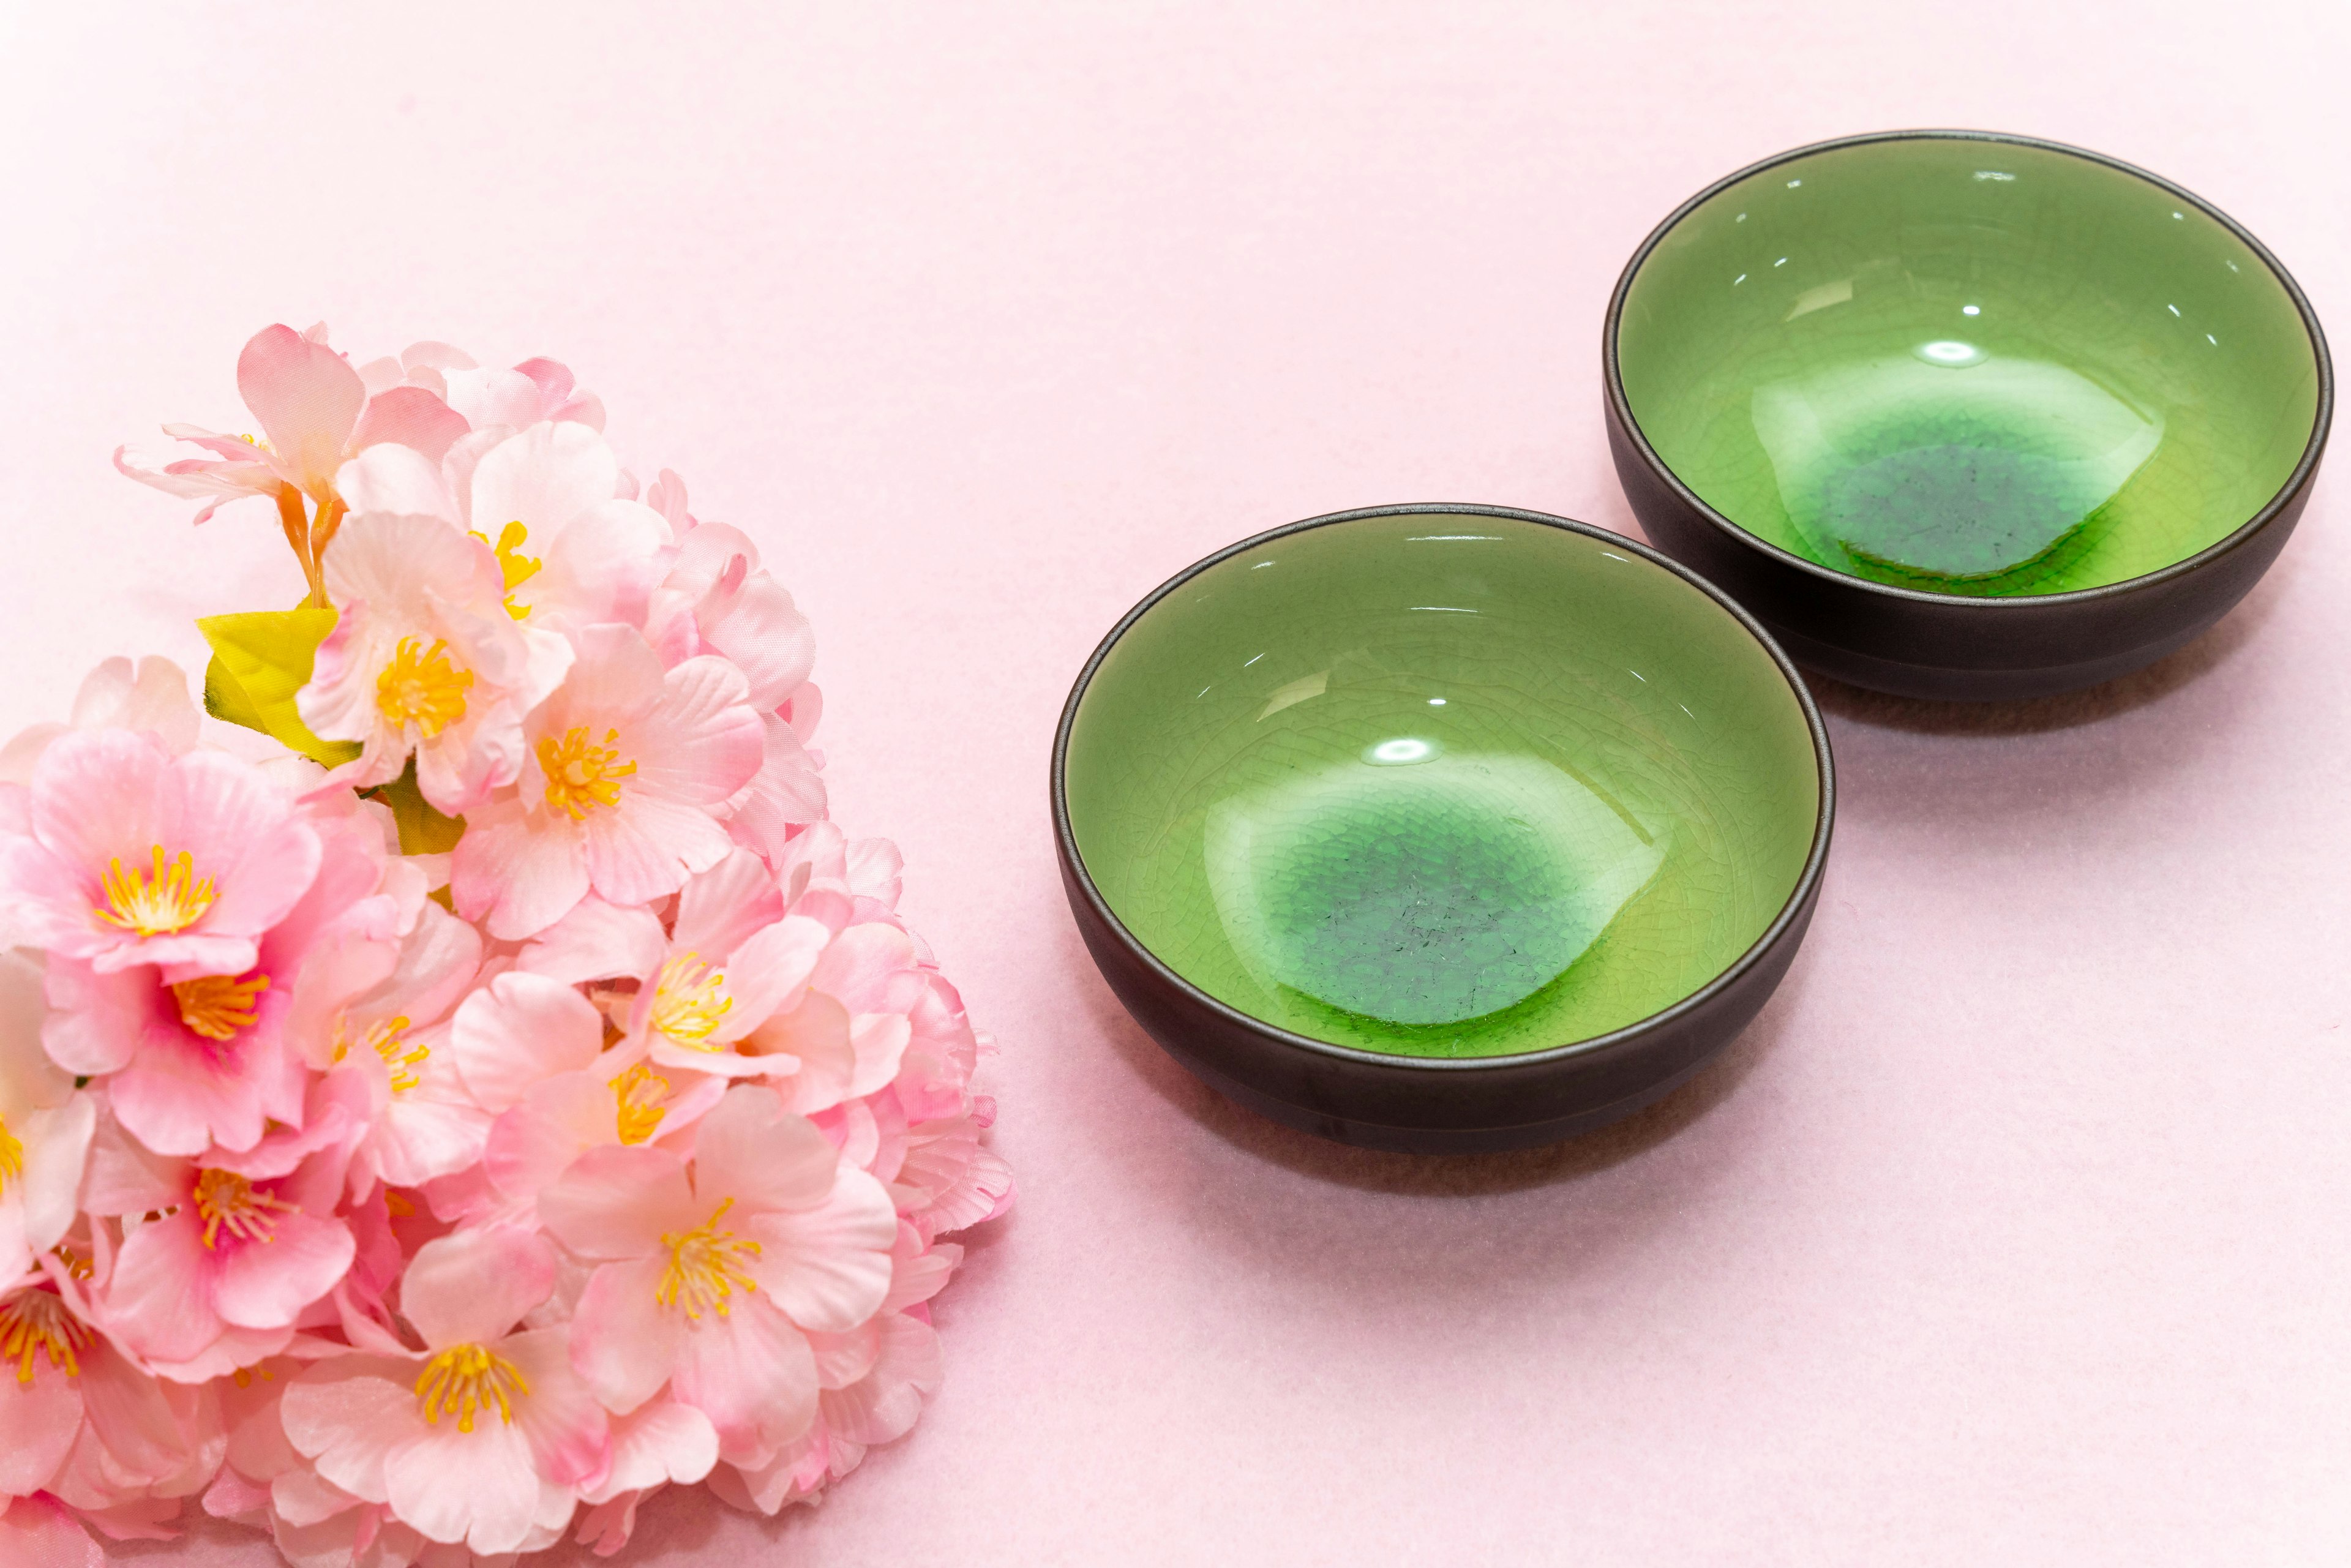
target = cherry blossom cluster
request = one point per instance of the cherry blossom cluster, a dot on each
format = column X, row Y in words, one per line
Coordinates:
column 458, row 1081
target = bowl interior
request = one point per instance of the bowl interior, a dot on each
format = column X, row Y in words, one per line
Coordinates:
column 1966, row 366
column 1442, row 785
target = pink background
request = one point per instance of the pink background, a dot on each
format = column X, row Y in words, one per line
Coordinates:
column 2014, row 1230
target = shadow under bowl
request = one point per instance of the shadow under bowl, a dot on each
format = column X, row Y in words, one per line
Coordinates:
column 1444, row 829
column 1958, row 414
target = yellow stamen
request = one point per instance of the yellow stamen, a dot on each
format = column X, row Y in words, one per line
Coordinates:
column 226, row 1201
column 689, row 999
column 37, row 1323
column 383, row 1038
column 421, row 687
column 581, row 777
column 12, row 1152
column 172, row 899
column 638, row 1095
column 704, row 1267
column 396, row 1206
column 466, row 1380
column 217, row 1006
column 513, row 565
column 79, row 1267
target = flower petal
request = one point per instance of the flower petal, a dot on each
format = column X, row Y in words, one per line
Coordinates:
column 471, row 1286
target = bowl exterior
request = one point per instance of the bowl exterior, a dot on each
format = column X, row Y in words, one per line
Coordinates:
column 1415, row 1105
column 1930, row 646
column 1924, row 645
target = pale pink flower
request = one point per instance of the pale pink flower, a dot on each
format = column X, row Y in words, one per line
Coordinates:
column 45, row 1127
column 244, row 1246
column 876, row 1382
column 152, row 699
column 629, row 766
column 131, row 855
column 377, row 1013
column 315, row 414
column 484, row 1438
column 726, row 962
column 424, row 659
column 193, row 1059
column 717, row 599
column 571, row 552
column 709, row 1269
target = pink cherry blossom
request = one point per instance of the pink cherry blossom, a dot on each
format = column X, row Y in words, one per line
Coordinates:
column 377, row 1015
column 314, row 413
column 485, row 1437
column 140, row 1445
column 570, row 552
column 45, row 1128
column 628, row 768
column 132, row 855
column 151, row 698
column 425, row 661
column 244, row 1246
column 711, row 1271
column 194, row 1058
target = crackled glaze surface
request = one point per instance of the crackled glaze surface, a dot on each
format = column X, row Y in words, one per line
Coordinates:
column 1968, row 367
column 1444, row 785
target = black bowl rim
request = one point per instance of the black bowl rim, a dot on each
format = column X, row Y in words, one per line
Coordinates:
column 1273, row 1035
column 2321, row 422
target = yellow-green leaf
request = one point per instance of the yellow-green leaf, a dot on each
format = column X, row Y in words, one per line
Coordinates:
column 259, row 660
column 423, row 829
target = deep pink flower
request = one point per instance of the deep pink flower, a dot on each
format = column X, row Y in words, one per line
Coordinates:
column 485, row 1437
column 193, row 1059
column 710, row 1269
column 135, row 856
column 629, row 766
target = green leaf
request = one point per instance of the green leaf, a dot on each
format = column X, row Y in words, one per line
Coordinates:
column 423, row 829
column 259, row 660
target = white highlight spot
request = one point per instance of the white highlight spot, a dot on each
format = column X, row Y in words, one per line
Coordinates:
column 1400, row 751
column 1436, row 702
column 1970, row 309
column 2173, row 309
column 1951, row 351
column 1794, row 183
column 1993, row 174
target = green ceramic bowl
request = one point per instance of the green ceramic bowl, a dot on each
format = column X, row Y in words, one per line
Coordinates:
column 1954, row 366
column 1438, row 785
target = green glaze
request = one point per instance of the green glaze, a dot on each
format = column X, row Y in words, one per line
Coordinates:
column 1968, row 367
column 1442, row 785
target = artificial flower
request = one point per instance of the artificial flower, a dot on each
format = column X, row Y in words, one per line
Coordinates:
column 423, row 661
column 483, row 1434
column 628, row 766
column 132, row 855
column 712, row 1268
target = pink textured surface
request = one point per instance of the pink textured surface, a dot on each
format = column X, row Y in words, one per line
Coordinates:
column 2013, row 1232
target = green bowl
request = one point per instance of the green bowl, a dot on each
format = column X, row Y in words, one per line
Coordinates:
column 1442, row 784
column 1957, row 366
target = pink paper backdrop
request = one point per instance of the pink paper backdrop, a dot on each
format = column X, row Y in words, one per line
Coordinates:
column 2014, row 1230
